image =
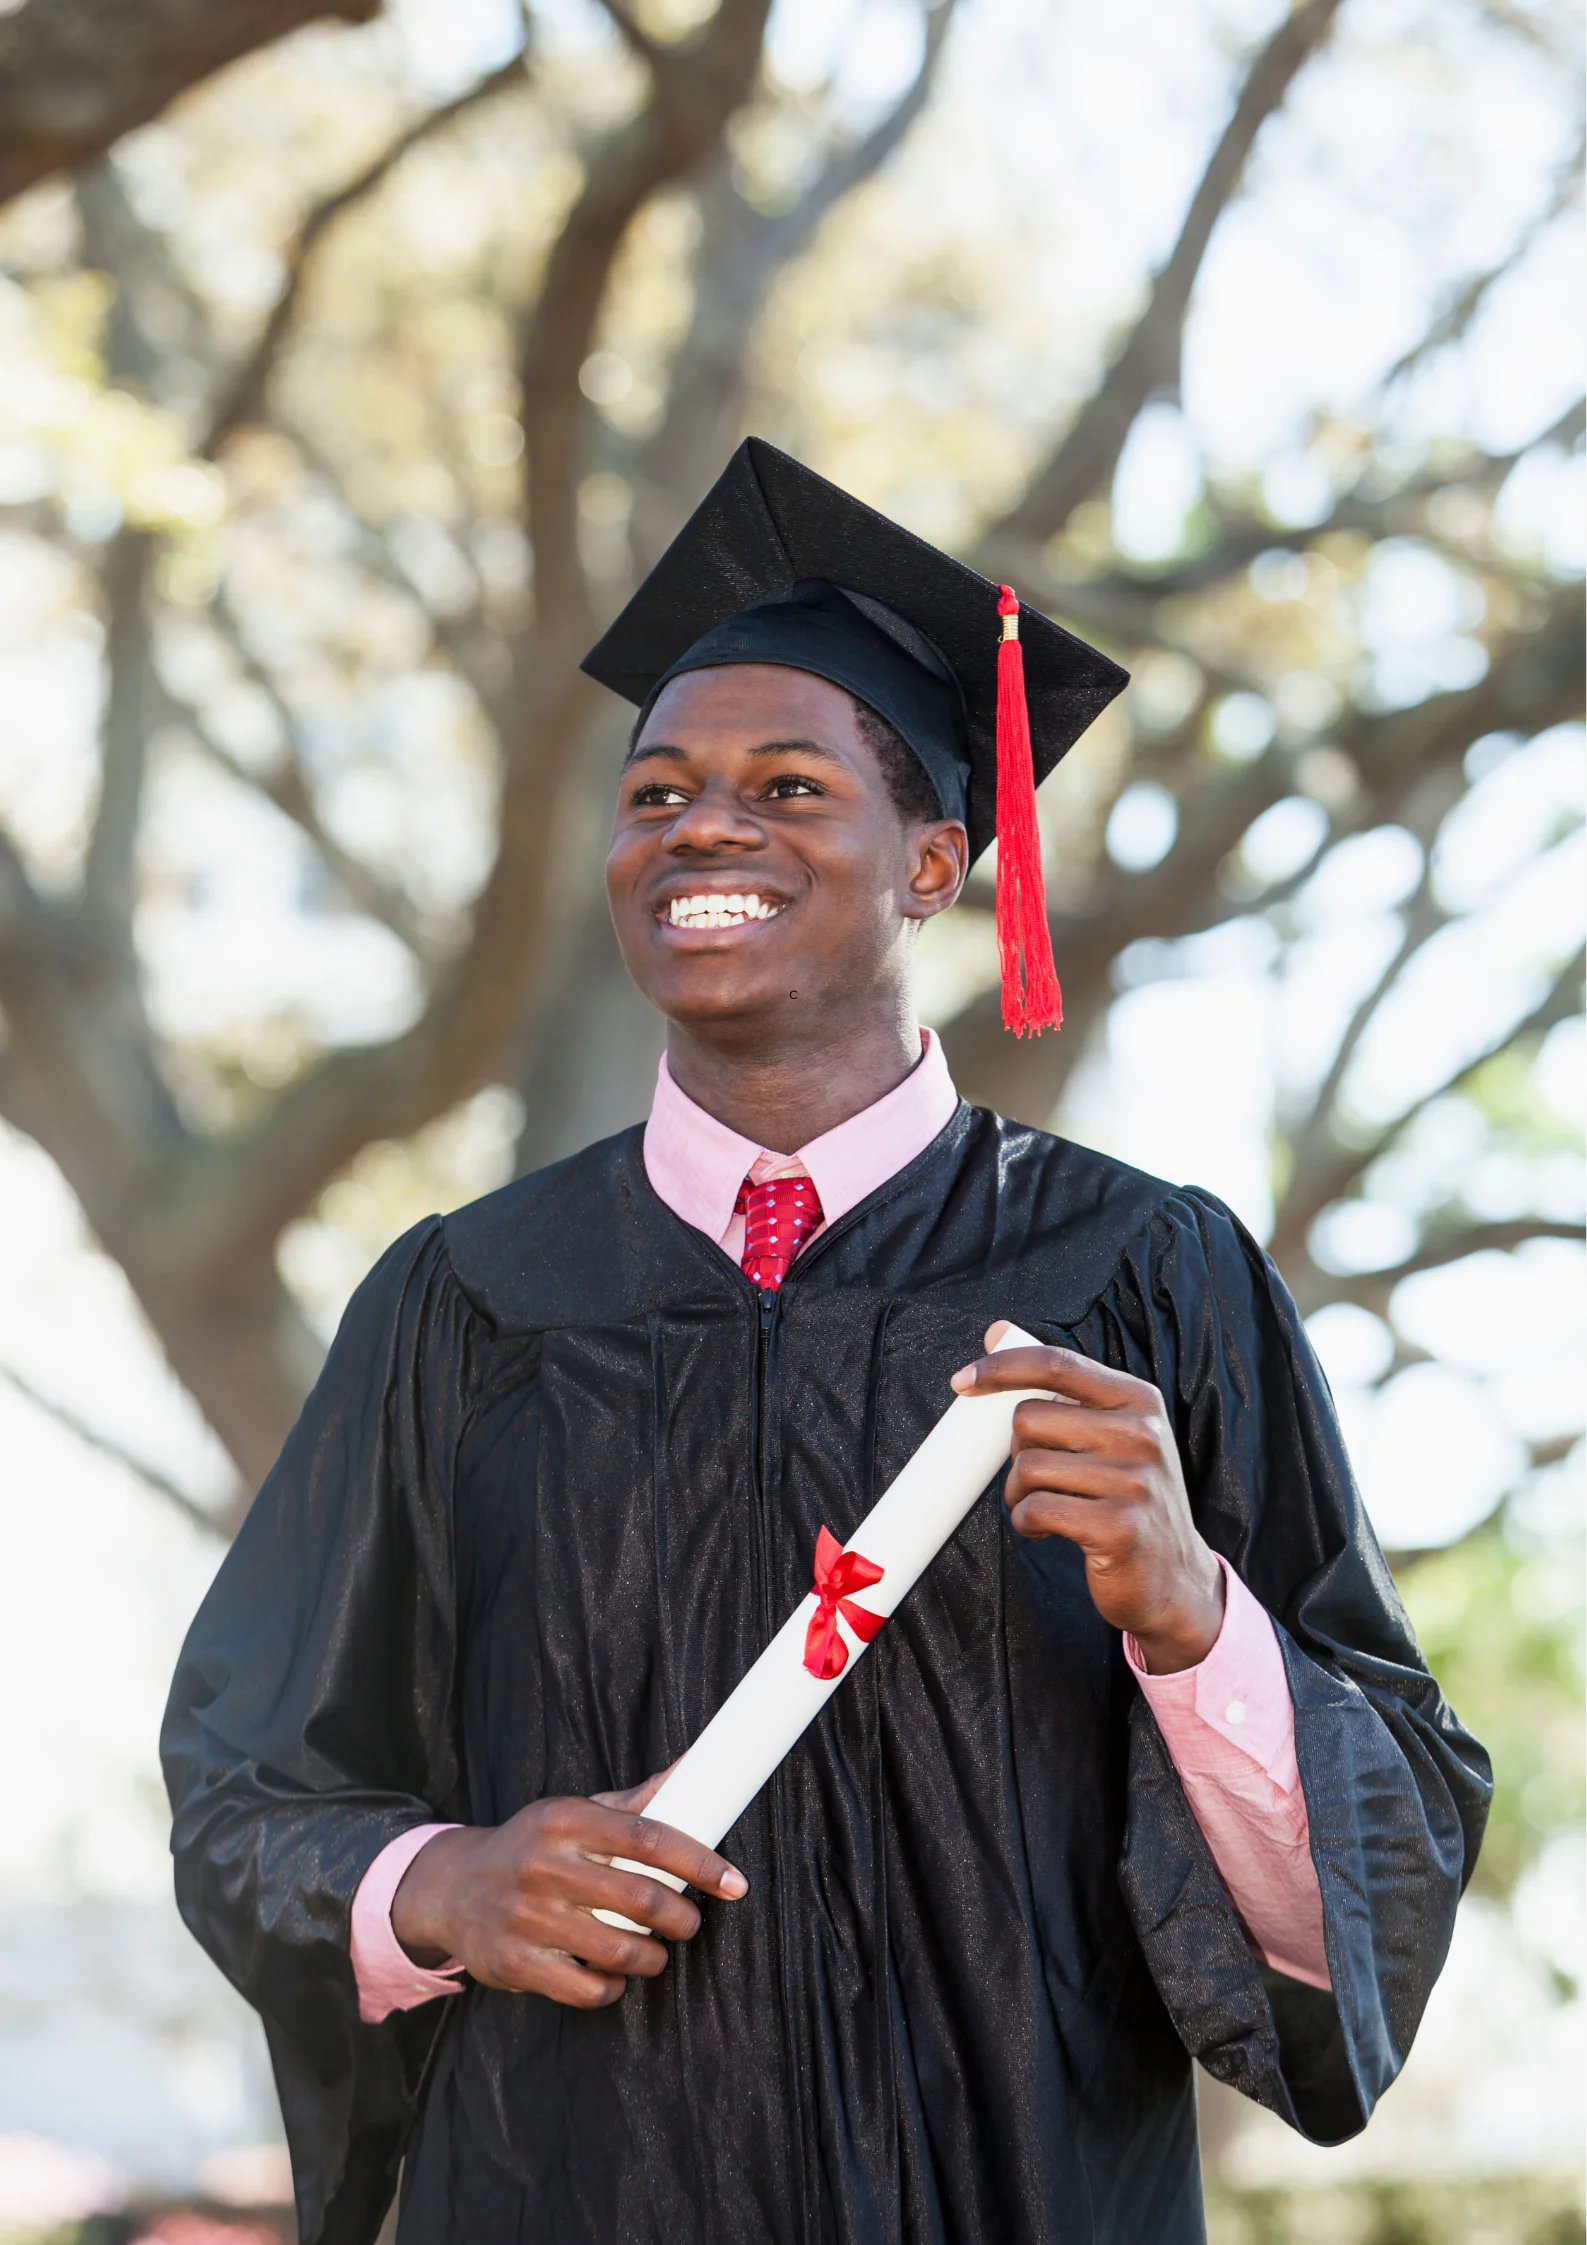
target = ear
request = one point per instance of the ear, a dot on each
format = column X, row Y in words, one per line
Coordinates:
column 938, row 866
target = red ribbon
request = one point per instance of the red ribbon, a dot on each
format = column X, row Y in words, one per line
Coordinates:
column 837, row 1573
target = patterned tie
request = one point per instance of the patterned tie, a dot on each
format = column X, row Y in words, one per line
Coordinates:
column 779, row 1217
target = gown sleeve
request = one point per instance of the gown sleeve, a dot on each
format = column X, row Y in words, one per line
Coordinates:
column 310, row 1722
column 1396, row 1790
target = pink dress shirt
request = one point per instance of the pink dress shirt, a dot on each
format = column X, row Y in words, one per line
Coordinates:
column 1228, row 1723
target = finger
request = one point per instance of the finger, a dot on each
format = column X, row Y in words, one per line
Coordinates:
column 600, row 1886
column 1060, row 1371
column 531, row 1969
column 1102, row 1530
column 1061, row 1473
column 646, row 1841
column 1126, row 1435
column 608, row 1948
column 600, row 1832
column 567, row 1981
column 637, row 1797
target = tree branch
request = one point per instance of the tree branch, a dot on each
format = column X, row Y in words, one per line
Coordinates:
column 1534, row 680
column 1422, row 923
column 25, row 916
column 1370, row 1290
column 1567, row 431
column 1327, row 1168
column 792, row 230
column 154, row 318
column 77, row 74
column 649, row 51
column 1424, row 918
column 243, row 397
column 1455, row 318
column 1527, row 25
column 108, row 869
column 1149, row 359
column 227, row 1200
column 691, row 100
column 288, row 787
column 451, row 634
column 114, row 240
column 740, row 252
column 222, row 1524
column 1129, row 603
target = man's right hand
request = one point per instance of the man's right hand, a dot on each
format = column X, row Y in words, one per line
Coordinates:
column 513, row 1901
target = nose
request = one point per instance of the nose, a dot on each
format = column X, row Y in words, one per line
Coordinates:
column 715, row 820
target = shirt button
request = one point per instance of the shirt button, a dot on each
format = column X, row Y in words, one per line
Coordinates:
column 1235, row 1711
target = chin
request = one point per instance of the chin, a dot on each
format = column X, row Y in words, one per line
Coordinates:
column 688, row 1002
column 702, row 993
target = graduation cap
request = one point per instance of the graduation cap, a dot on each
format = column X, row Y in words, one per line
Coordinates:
column 776, row 565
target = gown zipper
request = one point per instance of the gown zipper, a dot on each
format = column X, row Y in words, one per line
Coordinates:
column 767, row 1305
column 765, row 1348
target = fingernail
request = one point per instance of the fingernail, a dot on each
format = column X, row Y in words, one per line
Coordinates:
column 964, row 1380
column 733, row 1884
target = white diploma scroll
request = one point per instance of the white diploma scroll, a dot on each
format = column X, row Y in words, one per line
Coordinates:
column 763, row 1718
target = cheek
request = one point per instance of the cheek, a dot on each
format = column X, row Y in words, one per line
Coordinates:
column 625, row 860
column 863, row 863
column 855, row 886
column 625, row 868
column 874, row 880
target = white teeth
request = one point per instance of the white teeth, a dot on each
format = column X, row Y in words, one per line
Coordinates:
column 711, row 910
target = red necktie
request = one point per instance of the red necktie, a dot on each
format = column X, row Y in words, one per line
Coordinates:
column 779, row 1217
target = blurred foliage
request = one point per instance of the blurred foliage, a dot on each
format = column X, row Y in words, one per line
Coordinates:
column 1498, row 2210
column 274, row 477
column 1502, row 1629
column 164, row 2225
column 1503, row 2210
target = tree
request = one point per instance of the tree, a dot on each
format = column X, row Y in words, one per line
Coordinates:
column 664, row 168
column 194, row 1217
column 77, row 74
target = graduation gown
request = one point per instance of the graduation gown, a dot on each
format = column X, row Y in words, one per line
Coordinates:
column 558, row 1484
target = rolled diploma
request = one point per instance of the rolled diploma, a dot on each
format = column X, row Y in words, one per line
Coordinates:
column 763, row 1718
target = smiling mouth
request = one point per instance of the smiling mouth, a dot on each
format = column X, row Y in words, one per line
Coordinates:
column 711, row 910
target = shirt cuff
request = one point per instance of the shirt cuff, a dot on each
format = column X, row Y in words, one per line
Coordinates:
column 388, row 1979
column 1240, row 1690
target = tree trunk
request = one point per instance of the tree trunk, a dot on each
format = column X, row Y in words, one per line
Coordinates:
column 587, row 1059
column 591, row 1067
column 244, row 1353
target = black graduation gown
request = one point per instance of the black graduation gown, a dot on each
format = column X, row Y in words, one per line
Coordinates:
column 558, row 1484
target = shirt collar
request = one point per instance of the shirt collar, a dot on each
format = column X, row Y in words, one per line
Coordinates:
column 697, row 1164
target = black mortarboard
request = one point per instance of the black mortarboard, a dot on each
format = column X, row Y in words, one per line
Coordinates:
column 776, row 565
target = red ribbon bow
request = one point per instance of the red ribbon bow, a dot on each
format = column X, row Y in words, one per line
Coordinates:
column 837, row 1573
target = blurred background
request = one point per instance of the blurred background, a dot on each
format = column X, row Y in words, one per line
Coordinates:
column 353, row 363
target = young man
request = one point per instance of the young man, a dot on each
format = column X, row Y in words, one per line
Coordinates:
column 1147, row 1765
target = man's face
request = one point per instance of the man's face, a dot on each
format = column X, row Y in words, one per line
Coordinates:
column 760, row 871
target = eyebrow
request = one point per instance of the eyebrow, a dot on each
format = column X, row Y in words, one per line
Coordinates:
column 676, row 755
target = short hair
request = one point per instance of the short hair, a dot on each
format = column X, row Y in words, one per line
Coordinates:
column 910, row 785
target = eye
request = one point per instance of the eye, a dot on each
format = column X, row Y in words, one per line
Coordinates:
column 657, row 795
column 787, row 786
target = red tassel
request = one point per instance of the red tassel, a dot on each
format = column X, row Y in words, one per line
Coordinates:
column 1032, row 1001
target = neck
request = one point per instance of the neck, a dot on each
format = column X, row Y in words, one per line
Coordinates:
column 785, row 1091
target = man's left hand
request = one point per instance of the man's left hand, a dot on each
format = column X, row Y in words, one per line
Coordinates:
column 1099, row 1464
